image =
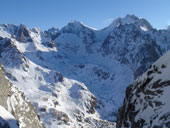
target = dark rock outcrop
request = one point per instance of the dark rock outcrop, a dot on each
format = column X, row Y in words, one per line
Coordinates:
column 22, row 34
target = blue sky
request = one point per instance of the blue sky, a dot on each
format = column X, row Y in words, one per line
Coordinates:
column 94, row 13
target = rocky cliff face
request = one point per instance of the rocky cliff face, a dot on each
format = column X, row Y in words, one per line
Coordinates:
column 147, row 104
column 15, row 102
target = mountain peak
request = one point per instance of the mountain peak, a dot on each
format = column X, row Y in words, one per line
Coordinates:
column 131, row 16
column 128, row 19
column 75, row 23
column 132, row 19
column 78, row 24
column 22, row 26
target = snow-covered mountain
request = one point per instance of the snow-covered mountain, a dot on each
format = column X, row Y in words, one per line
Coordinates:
column 76, row 76
column 147, row 103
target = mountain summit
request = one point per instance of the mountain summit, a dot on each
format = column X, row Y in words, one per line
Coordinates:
column 132, row 19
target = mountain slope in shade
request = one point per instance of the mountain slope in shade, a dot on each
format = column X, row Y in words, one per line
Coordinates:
column 147, row 101
column 76, row 76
